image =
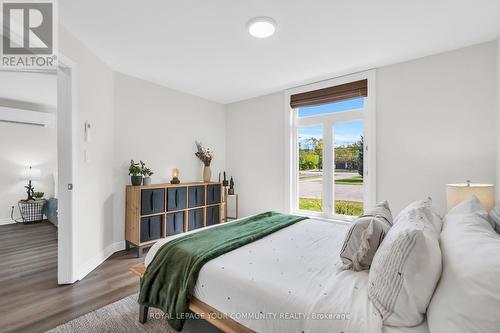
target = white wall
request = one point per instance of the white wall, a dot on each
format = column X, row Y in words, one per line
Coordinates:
column 256, row 152
column 435, row 124
column 160, row 126
column 23, row 145
column 93, row 183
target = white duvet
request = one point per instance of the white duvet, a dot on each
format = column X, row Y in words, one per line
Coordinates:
column 289, row 281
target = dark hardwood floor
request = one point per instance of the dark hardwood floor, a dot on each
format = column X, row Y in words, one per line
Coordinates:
column 31, row 300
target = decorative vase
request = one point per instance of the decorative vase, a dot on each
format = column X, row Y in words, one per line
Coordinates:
column 146, row 181
column 136, row 180
column 207, row 174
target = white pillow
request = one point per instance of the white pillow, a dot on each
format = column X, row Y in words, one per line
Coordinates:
column 407, row 266
column 467, row 298
column 494, row 217
column 425, row 207
column 471, row 205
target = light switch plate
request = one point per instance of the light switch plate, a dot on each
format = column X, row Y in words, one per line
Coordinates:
column 86, row 156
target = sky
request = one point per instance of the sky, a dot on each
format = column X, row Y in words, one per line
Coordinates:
column 351, row 104
column 344, row 133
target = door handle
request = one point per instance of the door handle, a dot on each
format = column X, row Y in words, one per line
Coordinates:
column 176, row 197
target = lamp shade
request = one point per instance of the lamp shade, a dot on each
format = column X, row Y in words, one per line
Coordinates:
column 175, row 173
column 31, row 173
column 456, row 193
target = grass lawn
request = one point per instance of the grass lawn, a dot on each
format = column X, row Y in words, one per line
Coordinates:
column 356, row 180
column 343, row 207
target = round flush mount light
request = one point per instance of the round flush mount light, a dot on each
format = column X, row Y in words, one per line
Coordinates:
column 261, row 27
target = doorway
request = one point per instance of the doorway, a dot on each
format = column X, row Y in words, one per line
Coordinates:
column 37, row 159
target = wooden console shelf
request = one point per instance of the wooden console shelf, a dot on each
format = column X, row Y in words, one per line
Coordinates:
column 156, row 211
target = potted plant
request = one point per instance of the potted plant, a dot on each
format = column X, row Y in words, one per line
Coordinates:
column 38, row 195
column 146, row 173
column 205, row 155
column 135, row 173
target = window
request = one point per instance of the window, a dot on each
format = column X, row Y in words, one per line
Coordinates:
column 330, row 165
column 310, row 146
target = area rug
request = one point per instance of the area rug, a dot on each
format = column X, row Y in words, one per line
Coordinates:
column 122, row 316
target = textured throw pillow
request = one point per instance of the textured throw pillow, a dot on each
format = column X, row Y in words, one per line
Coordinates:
column 467, row 298
column 407, row 266
column 364, row 237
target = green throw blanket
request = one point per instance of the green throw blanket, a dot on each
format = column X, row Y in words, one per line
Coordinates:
column 169, row 280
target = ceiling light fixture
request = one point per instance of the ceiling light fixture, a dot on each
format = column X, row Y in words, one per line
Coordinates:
column 261, row 27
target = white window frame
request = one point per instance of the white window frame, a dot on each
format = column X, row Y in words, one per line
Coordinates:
column 293, row 122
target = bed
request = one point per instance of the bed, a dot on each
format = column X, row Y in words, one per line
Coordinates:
column 289, row 281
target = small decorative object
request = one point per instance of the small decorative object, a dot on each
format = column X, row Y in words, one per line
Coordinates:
column 205, row 155
column 30, row 190
column 456, row 193
column 175, row 176
column 38, row 195
column 224, row 182
column 135, row 173
column 29, row 175
column 231, row 187
column 146, row 174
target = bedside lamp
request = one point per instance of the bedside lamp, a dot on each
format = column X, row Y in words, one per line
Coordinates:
column 175, row 176
column 456, row 193
column 30, row 174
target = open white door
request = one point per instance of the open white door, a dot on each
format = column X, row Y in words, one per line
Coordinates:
column 66, row 129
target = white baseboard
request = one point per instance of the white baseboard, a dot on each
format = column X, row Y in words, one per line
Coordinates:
column 6, row 220
column 98, row 259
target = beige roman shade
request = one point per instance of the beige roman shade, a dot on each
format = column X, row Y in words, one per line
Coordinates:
column 331, row 94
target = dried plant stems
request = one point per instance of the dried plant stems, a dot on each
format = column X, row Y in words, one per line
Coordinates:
column 204, row 154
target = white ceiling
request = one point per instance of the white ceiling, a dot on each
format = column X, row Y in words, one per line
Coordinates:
column 203, row 48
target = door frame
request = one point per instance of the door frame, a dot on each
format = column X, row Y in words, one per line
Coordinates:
column 67, row 108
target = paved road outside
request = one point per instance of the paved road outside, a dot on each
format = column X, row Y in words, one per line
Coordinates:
column 311, row 187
